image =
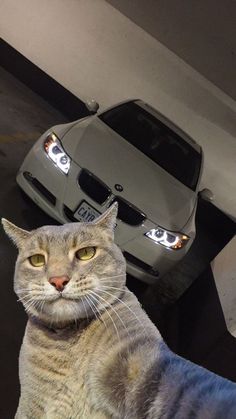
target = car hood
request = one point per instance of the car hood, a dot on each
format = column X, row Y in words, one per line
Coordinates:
column 97, row 148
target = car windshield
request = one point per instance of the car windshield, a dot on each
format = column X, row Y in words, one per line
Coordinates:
column 157, row 141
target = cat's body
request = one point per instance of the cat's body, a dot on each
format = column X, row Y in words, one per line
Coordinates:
column 72, row 373
column 89, row 350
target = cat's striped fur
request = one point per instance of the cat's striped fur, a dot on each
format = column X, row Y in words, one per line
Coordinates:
column 95, row 354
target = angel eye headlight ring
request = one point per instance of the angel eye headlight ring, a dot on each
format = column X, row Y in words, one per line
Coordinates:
column 55, row 152
column 168, row 239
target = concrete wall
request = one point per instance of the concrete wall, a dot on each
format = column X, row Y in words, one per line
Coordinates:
column 202, row 33
column 224, row 271
column 95, row 51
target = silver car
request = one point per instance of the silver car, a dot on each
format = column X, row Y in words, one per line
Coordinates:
column 131, row 154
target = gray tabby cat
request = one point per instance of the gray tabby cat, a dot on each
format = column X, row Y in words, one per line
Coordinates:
column 89, row 350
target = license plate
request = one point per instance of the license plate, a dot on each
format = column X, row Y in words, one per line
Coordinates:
column 86, row 213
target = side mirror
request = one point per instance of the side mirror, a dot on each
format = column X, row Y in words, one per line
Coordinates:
column 207, row 194
column 92, row 105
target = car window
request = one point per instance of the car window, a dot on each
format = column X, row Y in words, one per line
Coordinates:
column 156, row 141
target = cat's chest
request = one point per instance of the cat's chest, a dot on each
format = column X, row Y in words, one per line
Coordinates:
column 53, row 372
column 53, row 357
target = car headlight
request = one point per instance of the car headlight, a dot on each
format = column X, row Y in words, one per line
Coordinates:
column 56, row 153
column 167, row 238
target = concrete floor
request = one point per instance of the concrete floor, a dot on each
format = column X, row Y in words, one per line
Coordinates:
column 23, row 117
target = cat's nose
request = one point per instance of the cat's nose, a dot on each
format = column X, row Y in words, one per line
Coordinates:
column 59, row 282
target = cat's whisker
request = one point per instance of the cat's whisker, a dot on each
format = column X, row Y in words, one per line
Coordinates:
column 131, row 311
column 27, row 299
column 103, row 320
column 29, row 288
column 89, row 301
column 109, row 316
column 113, row 281
column 107, row 302
column 25, row 295
column 75, row 319
column 19, row 299
column 112, row 277
column 52, row 318
column 30, row 300
column 95, row 311
column 41, row 306
column 29, row 296
column 22, row 290
column 30, row 305
column 115, row 288
column 85, row 309
column 37, row 304
column 110, row 305
column 75, row 314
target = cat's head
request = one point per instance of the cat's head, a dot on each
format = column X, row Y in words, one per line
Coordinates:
column 68, row 272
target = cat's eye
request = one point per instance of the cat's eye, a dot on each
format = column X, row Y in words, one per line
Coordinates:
column 85, row 253
column 37, row 260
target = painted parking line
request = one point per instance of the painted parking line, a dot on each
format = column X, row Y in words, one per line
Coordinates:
column 19, row 136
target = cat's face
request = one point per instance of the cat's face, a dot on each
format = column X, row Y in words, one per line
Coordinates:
column 64, row 273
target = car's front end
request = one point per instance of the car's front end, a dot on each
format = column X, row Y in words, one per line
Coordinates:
column 75, row 171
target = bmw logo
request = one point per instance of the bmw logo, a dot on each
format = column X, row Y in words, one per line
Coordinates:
column 118, row 187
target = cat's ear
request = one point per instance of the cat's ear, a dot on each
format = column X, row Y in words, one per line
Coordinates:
column 17, row 234
column 108, row 218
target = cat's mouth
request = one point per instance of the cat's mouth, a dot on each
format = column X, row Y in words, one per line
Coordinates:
column 65, row 296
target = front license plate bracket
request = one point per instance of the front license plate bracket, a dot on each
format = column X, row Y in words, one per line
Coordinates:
column 86, row 213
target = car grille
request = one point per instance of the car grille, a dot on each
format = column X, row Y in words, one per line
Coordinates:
column 128, row 213
column 100, row 192
column 93, row 187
